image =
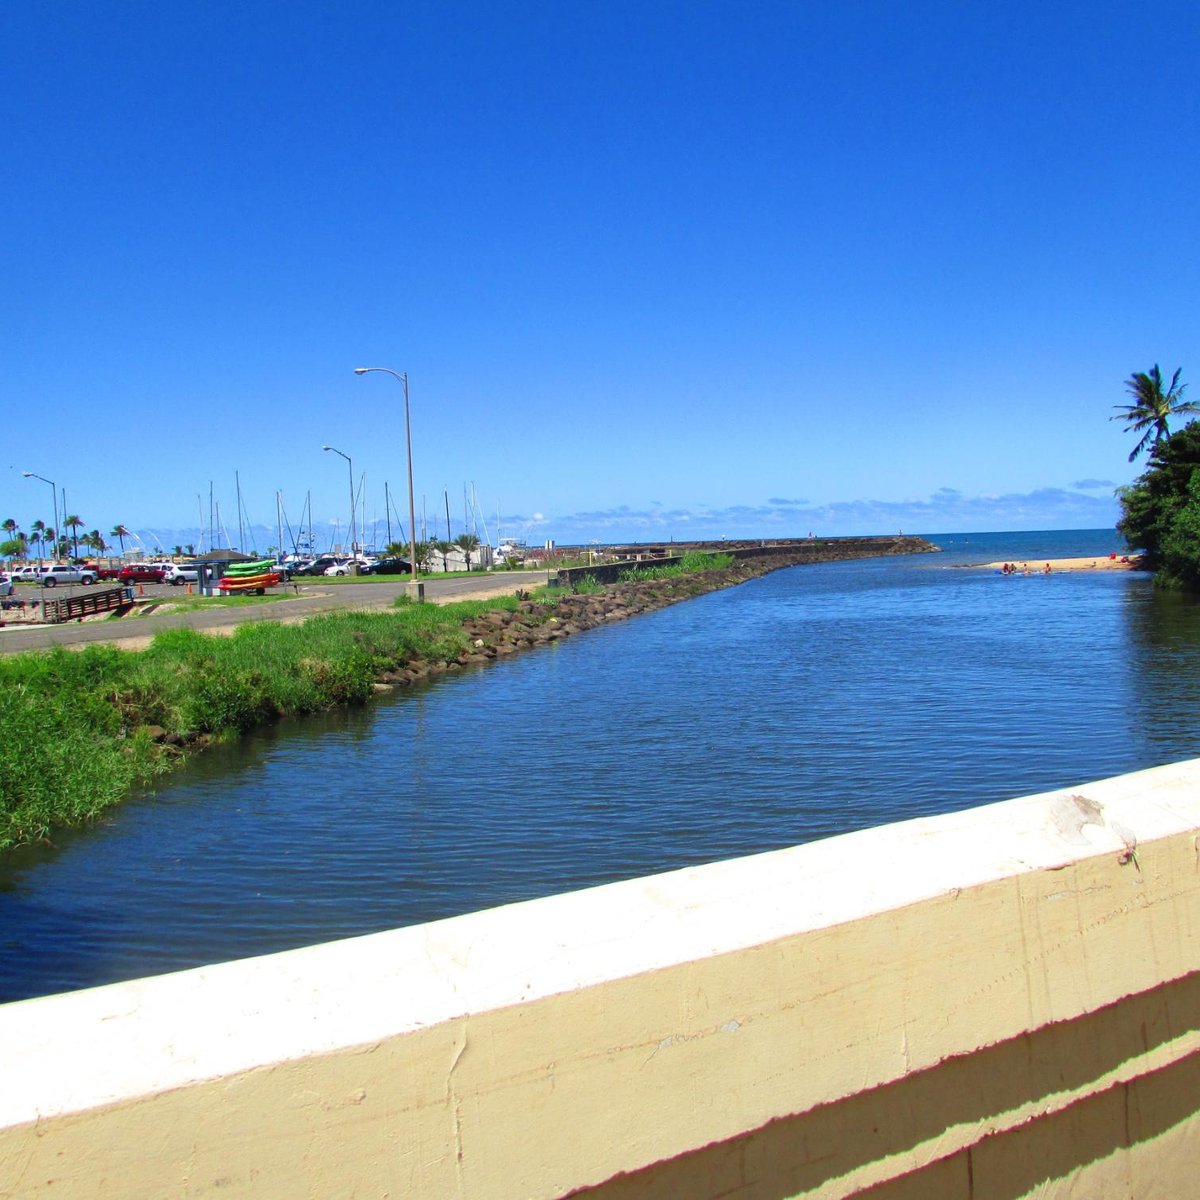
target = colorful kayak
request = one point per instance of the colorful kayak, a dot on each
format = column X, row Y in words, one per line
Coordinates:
column 264, row 566
column 250, row 583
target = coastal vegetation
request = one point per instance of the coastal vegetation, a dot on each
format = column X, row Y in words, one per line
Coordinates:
column 691, row 563
column 1160, row 510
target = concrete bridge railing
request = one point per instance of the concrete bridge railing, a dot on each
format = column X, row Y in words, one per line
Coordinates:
column 994, row 1003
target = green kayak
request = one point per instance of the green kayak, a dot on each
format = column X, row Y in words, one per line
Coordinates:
column 250, row 568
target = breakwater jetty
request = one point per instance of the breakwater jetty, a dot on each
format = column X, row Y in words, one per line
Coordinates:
column 501, row 632
column 808, row 549
column 757, row 556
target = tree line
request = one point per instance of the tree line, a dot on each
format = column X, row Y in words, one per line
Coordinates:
column 427, row 551
column 49, row 542
column 1160, row 510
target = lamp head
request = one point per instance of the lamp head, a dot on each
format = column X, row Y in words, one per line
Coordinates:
column 361, row 370
column 27, row 474
column 326, row 447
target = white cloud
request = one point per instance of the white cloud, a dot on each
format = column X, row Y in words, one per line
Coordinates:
column 948, row 510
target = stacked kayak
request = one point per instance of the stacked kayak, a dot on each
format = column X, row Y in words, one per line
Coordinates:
column 251, row 576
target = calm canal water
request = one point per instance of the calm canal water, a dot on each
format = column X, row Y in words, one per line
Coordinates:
column 813, row 701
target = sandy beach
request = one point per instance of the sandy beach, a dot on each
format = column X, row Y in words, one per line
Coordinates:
column 1130, row 562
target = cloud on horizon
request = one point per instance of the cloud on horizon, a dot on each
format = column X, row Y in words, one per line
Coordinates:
column 947, row 510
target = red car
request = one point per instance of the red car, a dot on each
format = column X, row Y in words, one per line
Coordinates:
column 102, row 572
column 142, row 573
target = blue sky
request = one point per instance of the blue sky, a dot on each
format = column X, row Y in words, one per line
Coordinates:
column 654, row 269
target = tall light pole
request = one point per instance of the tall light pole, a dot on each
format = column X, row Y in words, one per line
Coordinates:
column 353, row 552
column 415, row 589
column 53, row 496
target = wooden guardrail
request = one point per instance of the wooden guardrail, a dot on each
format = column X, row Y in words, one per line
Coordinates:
column 86, row 605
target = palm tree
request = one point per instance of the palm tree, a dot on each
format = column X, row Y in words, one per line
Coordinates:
column 1152, row 406
column 95, row 539
column 10, row 527
column 444, row 547
column 49, row 535
column 467, row 542
column 424, row 556
column 74, row 523
column 120, row 533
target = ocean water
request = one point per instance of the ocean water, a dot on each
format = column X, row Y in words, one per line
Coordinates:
column 812, row 701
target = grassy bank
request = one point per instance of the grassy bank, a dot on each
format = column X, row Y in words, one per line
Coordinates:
column 80, row 728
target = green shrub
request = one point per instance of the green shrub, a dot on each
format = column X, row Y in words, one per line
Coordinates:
column 586, row 586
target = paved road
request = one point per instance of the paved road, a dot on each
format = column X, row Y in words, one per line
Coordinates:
column 293, row 605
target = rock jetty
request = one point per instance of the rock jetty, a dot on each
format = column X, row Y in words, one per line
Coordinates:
column 501, row 632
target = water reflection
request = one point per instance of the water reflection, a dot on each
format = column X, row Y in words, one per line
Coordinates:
column 1163, row 661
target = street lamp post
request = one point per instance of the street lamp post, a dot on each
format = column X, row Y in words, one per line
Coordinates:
column 353, row 552
column 415, row 589
column 53, row 496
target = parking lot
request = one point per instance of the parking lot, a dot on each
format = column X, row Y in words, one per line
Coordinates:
column 306, row 598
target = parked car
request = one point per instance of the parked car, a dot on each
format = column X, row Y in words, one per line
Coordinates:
column 102, row 572
column 317, row 566
column 344, row 566
column 181, row 573
column 53, row 575
column 391, row 566
column 26, row 575
column 6, row 584
column 142, row 573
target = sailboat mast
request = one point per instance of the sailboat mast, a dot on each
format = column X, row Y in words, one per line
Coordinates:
column 237, row 483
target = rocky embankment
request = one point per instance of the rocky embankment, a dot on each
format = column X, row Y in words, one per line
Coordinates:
column 501, row 632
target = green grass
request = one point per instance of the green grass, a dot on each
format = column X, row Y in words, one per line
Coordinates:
column 694, row 562
column 586, row 586
column 341, row 580
column 77, row 727
column 194, row 604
